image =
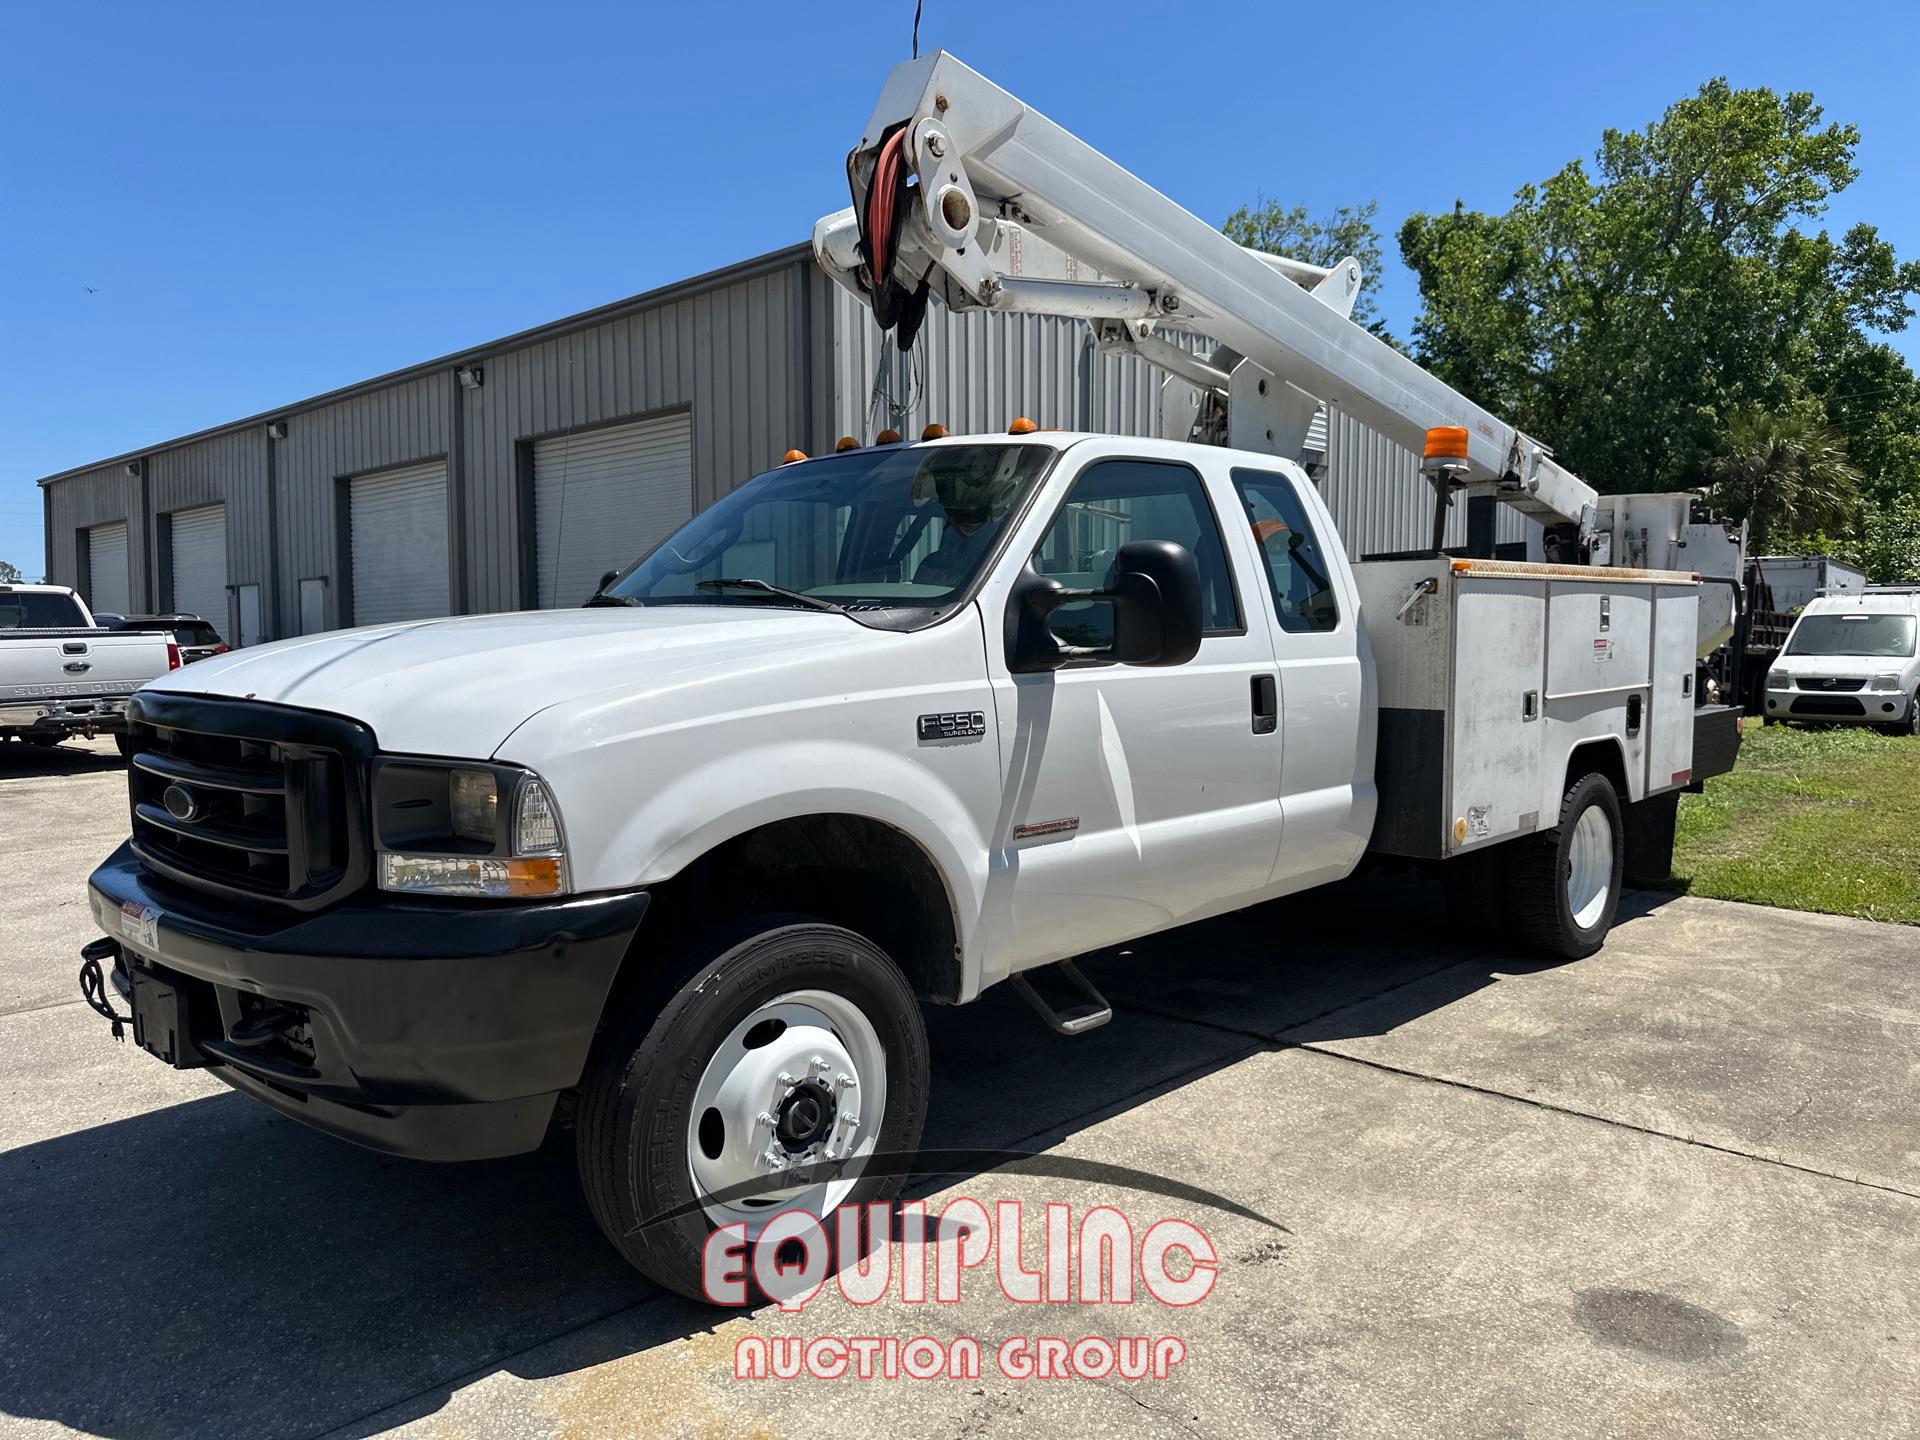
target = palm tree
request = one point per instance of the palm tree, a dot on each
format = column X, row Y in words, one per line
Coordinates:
column 1786, row 473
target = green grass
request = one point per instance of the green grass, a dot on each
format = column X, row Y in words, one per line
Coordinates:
column 1824, row 820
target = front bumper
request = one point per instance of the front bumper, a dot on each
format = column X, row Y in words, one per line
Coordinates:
column 66, row 716
column 440, row 1030
column 1859, row 707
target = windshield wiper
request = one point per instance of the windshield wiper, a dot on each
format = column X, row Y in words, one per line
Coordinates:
column 743, row 582
column 604, row 599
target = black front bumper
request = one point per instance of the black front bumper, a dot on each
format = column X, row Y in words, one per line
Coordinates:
column 441, row 1030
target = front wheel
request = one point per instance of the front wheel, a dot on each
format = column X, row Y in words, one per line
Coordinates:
column 792, row 1043
column 1909, row 724
column 1564, row 885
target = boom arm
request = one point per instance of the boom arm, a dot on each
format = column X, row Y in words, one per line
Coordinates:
column 1012, row 213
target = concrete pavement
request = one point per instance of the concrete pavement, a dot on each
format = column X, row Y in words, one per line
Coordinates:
column 1672, row 1189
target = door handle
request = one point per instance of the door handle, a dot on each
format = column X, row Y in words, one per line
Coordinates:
column 1266, row 704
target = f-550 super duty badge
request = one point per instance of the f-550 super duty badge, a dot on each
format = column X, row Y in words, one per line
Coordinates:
column 955, row 725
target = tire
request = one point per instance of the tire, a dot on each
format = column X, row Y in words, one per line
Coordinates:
column 638, row 1138
column 124, row 744
column 1544, row 871
column 1908, row 724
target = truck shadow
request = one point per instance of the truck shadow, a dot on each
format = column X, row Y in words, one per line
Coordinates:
column 213, row 1269
column 19, row 760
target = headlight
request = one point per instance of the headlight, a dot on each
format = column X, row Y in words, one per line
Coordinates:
column 1779, row 680
column 473, row 798
column 1886, row 682
column 439, row 831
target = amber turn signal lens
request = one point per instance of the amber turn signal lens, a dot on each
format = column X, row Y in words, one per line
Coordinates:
column 1447, row 442
column 1021, row 426
column 534, row 875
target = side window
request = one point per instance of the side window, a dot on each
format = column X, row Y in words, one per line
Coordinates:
column 1113, row 502
column 1297, row 570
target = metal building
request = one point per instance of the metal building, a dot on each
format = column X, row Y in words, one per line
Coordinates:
column 513, row 474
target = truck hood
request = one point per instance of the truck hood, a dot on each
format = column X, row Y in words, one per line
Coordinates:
column 459, row 687
column 1844, row 667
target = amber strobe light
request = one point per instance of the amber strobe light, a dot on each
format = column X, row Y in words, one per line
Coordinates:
column 792, row 457
column 934, row 432
column 1447, row 442
column 1021, row 426
column 887, row 437
column 847, row 442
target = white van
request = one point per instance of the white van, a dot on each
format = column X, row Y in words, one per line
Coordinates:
column 1851, row 660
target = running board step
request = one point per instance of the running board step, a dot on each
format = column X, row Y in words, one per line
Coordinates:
column 1089, row 1013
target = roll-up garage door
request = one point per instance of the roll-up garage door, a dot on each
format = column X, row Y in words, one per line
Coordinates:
column 603, row 498
column 200, row 563
column 399, row 535
column 108, row 585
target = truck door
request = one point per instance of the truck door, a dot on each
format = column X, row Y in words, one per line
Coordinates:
column 1135, row 797
column 1325, row 784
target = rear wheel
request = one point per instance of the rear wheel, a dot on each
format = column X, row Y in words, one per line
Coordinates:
column 1564, row 884
column 791, row 1044
column 124, row 744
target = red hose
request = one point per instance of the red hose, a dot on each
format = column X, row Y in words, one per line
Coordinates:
column 880, row 203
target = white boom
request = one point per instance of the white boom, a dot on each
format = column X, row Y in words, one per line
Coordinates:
column 1015, row 214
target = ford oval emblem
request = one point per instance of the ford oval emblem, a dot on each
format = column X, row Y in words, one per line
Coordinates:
column 180, row 802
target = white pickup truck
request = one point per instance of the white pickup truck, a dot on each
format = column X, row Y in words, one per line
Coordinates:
column 892, row 726
column 885, row 727
column 62, row 675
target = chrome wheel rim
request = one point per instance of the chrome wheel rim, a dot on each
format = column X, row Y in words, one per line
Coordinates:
column 801, row 1080
column 1589, row 867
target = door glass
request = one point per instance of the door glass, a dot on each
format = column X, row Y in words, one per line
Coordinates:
column 1117, row 501
column 1297, row 570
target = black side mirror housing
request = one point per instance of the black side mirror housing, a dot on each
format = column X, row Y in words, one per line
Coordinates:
column 1157, row 612
column 606, row 580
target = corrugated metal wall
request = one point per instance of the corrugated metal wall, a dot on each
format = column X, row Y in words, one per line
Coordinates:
column 96, row 497
column 404, row 424
column 229, row 469
column 732, row 356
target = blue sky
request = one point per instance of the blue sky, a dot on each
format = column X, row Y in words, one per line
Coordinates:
column 273, row 200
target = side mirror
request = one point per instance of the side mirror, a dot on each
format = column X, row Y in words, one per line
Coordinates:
column 606, row 580
column 1157, row 612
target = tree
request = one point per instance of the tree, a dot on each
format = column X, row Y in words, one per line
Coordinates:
column 1627, row 314
column 1290, row 231
column 1785, row 473
column 9, row 573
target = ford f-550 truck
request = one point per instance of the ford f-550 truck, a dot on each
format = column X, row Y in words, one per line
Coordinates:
column 881, row 728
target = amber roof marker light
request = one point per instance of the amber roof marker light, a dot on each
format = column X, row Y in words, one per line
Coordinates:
column 793, row 457
column 934, row 432
column 1021, row 426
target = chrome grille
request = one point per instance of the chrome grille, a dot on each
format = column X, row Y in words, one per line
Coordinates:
column 250, row 800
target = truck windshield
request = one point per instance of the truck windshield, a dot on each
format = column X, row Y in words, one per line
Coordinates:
column 893, row 536
column 1890, row 636
column 37, row 610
